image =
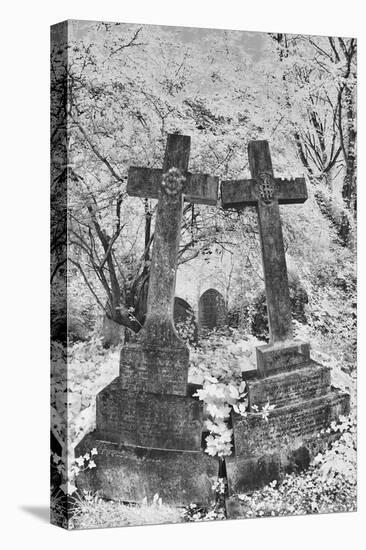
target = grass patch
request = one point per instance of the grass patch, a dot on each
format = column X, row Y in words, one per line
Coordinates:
column 93, row 512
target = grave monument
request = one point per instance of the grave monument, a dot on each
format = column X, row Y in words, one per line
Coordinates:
column 212, row 309
column 148, row 425
column 286, row 376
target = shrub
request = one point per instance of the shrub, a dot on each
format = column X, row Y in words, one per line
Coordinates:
column 217, row 364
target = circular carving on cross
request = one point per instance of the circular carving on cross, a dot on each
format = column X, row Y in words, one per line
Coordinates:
column 173, row 182
column 266, row 187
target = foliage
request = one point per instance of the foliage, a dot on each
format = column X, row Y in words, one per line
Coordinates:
column 333, row 306
column 118, row 118
column 69, row 471
column 58, row 515
column 331, row 311
column 257, row 317
column 187, row 328
column 77, row 375
column 329, row 485
column 315, row 94
column 217, row 364
column 194, row 513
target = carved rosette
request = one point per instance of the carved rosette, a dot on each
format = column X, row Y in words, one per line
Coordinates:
column 172, row 183
column 266, row 187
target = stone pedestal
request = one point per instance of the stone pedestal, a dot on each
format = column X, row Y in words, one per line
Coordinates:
column 132, row 473
column 305, row 404
column 148, row 425
column 158, row 421
column 147, row 367
column 149, row 432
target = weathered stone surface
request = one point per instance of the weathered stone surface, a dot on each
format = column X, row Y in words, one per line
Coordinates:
column 159, row 328
column 212, row 309
column 287, row 426
column 247, row 474
column 300, row 389
column 156, row 369
column 132, row 473
column 148, row 425
column 199, row 188
column 170, row 186
column 287, row 442
column 290, row 387
column 245, row 192
column 281, row 356
column 265, row 192
column 149, row 420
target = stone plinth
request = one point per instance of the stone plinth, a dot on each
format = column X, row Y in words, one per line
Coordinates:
column 286, row 388
column 305, row 406
column 281, row 356
column 288, row 427
column 145, row 367
column 130, row 474
column 148, row 425
column 286, row 376
column 149, row 420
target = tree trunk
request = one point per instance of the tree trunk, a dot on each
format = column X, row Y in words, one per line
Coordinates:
column 349, row 183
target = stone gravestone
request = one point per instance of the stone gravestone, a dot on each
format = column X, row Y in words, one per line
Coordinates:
column 148, row 426
column 286, row 376
column 212, row 309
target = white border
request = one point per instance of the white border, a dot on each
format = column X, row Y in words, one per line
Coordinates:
column 24, row 371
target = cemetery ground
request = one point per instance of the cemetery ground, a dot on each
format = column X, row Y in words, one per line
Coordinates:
column 328, row 485
column 178, row 432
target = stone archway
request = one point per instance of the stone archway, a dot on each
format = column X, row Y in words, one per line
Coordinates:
column 212, row 309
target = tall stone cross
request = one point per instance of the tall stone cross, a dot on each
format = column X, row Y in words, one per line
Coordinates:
column 148, row 424
column 171, row 185
column 266, row 192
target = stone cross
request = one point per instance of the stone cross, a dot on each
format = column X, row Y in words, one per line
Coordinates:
column 266, row 193
column 170, row 185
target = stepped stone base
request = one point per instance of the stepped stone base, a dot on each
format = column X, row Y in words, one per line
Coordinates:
column 149, row 420
column 149, row 427
column 286, row 388
column 265, row 451
column 305, row 406
column 281, row 357
column 287, row 427
column 130, row 474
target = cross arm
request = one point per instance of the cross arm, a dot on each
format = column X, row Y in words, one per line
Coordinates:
column 144, row 182
column 238, row 193
column 290, row 191
column 245, row 192
column 199, row 188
